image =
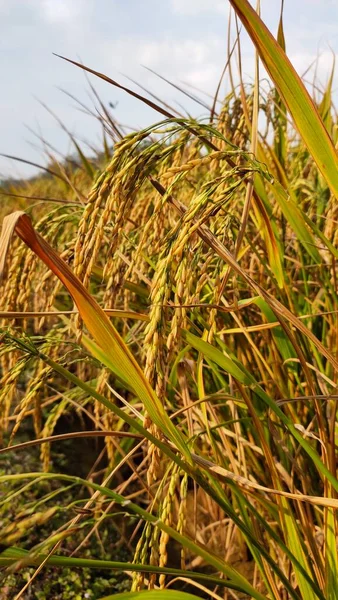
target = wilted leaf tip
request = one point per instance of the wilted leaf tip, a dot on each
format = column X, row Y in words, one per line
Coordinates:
column 7, row 230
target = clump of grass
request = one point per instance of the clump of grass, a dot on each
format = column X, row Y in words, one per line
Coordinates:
column 215, row 386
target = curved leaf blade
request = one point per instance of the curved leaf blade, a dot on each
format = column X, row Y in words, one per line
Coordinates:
column 293, row 93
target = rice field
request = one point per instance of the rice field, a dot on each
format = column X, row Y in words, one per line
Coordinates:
column 177, row 294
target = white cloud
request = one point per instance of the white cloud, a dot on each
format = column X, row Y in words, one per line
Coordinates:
column 198, row 62
column 321, row 64
column 62, row 11
column 177, row 53
column 193, row 7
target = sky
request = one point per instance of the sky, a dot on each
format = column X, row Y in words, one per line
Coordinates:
column 183, row 40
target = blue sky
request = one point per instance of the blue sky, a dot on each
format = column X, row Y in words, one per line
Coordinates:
column 184, row 40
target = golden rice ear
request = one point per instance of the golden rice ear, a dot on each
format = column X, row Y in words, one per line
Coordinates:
column 108, row 345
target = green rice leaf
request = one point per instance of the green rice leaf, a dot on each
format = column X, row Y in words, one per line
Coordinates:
column 293, row 93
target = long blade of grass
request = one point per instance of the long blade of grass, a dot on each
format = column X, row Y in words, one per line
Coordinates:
column 33, row 164
column 293, row 92
column 331, row 557
column 324, row 107
column 280, row 122
column 296, row 547
column 295, row 218
column 152, row 595
column 12, row 555
column 111, row 312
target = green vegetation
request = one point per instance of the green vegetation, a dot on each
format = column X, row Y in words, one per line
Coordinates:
column 170, row 348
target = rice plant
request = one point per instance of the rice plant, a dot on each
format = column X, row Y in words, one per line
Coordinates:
column 180, row 293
